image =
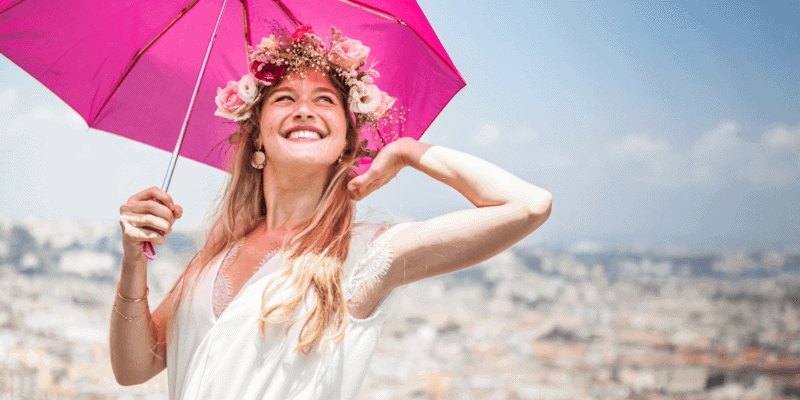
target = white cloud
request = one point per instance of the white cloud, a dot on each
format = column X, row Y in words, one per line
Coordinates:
column 651, row 160
column 776, row 161
column 780, row 138
column 487, row 135
column 718, row 154
column 717, row 149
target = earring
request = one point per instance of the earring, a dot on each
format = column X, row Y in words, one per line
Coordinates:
column 259, row 159
column 340, row 158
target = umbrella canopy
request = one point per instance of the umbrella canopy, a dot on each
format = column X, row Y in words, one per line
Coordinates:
column 130, row 68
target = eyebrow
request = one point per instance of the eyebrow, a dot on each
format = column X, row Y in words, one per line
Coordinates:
column 317, row 89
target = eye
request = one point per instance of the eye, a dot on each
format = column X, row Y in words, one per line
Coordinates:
column 283, row 97
column 327, row 98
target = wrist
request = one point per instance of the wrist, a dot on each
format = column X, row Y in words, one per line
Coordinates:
column 412, row 151
column 138, row 261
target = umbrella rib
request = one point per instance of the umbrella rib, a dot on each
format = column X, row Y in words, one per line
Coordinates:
column 288, row 13
column 247, row 42
column 389, row 17
column 138, row 55
column 10, row 6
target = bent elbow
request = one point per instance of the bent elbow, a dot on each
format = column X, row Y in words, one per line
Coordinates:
column 123, row 382
column 127, row 379
column 539, row 211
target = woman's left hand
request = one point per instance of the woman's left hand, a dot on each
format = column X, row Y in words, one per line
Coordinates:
column 389, row 161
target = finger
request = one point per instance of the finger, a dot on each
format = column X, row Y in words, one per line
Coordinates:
column 364, row 180
column 140, row 233
column 361, row 193
column 151, row 207
column 355, row 183
column 149, row 221
column 178, row 211
column 157, row 194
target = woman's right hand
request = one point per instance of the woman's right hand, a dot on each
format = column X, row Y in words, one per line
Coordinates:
column 143, row 220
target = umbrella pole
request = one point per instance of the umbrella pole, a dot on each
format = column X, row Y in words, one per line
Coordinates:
column 175, row 152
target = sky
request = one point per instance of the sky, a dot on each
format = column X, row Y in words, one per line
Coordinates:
column 650, row 122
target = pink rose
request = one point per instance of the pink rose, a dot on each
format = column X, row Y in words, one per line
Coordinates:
column 230, row 105
column 349, row 54
column 386, row 103
column 300, row 32
column 267, row 73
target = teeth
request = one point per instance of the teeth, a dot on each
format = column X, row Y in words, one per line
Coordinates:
column 304, row 134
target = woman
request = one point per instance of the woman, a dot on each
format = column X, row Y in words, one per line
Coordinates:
column 287, row 295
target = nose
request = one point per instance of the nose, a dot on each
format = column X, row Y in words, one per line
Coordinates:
column 303, row 111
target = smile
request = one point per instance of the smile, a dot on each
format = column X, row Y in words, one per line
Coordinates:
column 304, row 135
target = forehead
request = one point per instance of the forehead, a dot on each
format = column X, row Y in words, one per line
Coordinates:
column 311, row 80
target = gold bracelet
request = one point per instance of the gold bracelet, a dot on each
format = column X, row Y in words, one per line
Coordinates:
column 129, row 319
column 130, row 299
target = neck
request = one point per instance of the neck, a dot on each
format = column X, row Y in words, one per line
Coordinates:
column 291, row 195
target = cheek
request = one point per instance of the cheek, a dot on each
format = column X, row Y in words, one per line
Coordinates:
column 268, row 124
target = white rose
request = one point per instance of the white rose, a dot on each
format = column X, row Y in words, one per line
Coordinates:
column 367, row 100
column 248, row 89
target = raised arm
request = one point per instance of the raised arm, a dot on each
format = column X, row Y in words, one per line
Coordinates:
column 134, row 331
column 507, row 210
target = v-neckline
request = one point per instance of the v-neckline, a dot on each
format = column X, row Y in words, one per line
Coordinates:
column 267, row 258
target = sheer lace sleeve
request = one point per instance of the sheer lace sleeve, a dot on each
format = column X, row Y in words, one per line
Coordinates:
column 375, row 261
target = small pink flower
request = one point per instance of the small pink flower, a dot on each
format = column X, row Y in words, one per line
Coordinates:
column 300, row 32
column 266, row 72
column 229, row 104
column 386, row 103
column 350, row 54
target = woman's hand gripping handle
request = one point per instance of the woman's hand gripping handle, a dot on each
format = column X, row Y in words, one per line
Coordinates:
column 146, row 220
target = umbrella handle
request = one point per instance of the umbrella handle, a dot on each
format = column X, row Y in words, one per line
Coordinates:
column 145, row 245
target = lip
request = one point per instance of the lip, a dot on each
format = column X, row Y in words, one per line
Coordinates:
column 304, row 128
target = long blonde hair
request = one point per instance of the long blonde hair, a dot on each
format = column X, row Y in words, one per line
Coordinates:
column 313, row 251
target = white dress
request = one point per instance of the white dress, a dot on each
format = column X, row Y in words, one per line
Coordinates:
column 228, row 358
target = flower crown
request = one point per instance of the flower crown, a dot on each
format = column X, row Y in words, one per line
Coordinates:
column 276, row 56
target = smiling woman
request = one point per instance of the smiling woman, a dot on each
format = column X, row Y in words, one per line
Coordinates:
column 303, row 124
column 285, row 245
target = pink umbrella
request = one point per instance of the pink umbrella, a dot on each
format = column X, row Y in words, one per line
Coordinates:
column 149, row 70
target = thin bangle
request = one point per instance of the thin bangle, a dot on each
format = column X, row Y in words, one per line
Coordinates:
column 130, row 299
column 129, row 319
